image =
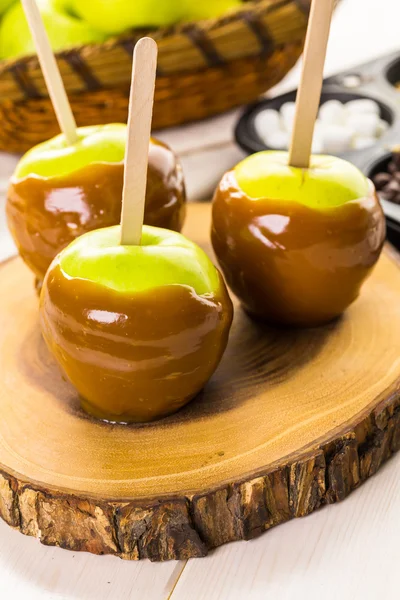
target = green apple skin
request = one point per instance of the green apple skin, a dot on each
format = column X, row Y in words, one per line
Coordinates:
column 296, row 245
column 330, row 181
column 138, row 330
column 164, row 257
column 193, row 10
column 119, row 15
column 56, row 157
column 5, row 5
column 63, row 29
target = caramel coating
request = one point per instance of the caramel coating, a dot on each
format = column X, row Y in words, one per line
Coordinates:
column 133, row 357
column 45, row 215
column 290, row 264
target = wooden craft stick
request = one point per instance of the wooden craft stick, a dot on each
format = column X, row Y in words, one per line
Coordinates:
column 309, row 92
column 137, row 146
column 50, row 71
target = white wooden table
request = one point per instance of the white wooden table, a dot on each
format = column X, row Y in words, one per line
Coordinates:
column 345, row 551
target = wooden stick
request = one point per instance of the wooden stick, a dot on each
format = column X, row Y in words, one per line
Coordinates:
column 51, row 72
column 137, row 146
column 309, row 92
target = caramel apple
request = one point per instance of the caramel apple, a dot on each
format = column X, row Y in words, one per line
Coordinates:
column 60, row 191
column 138, row 330
column 295, row 245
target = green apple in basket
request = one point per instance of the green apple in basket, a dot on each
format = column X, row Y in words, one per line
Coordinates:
column 196, row 11
column 4, row 4
column 115, row 16
column 64, row 29
column 119, row 15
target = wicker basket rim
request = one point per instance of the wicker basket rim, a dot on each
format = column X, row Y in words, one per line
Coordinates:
column 258, row 7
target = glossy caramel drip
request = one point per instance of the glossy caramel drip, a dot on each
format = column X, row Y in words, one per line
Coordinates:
column 133, row 357
column 45, row 215
column 291, row 264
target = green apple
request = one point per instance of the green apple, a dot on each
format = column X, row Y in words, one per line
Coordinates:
column 330, row 181
column 4, row 5
column 138, row 330
column 120, row 15
column 163, row 258
column 193, row 10
column 55, row 157
column 296, row 245
column 64, row 30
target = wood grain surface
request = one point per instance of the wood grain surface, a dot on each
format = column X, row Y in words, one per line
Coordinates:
column 290, row 421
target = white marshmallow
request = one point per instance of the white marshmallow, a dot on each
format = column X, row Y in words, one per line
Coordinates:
column 339, row 127
column 363, row 124
column 351, row 81
column 287, row 112
column 267, row 121
column 362, row 106
column 335, row 138
column 279, row 140
column 382, row 127
column 317, row 143
column 332, row 111
column 360, row 142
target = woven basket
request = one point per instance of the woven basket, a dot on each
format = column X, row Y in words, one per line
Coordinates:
column 203, row 69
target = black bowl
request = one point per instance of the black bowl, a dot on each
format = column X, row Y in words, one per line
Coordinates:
column 246, row 134
column 393, row 72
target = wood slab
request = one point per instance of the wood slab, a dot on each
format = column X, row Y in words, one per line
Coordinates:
column 291, row 420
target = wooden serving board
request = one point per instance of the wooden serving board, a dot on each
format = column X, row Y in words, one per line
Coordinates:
column 290, row 421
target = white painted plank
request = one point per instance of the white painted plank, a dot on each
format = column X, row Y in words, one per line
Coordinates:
column 206, row 167
column 36, row 572
column 7, row 165
column 342, row 552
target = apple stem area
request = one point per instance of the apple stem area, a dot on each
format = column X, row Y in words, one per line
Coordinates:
column 51, row 72
column 309, row 92
column 137, row 148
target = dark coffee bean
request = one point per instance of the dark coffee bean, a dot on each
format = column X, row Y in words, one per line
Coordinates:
column 392, row 167
column 388, row 195
column 381, row 179
column 393, row 186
